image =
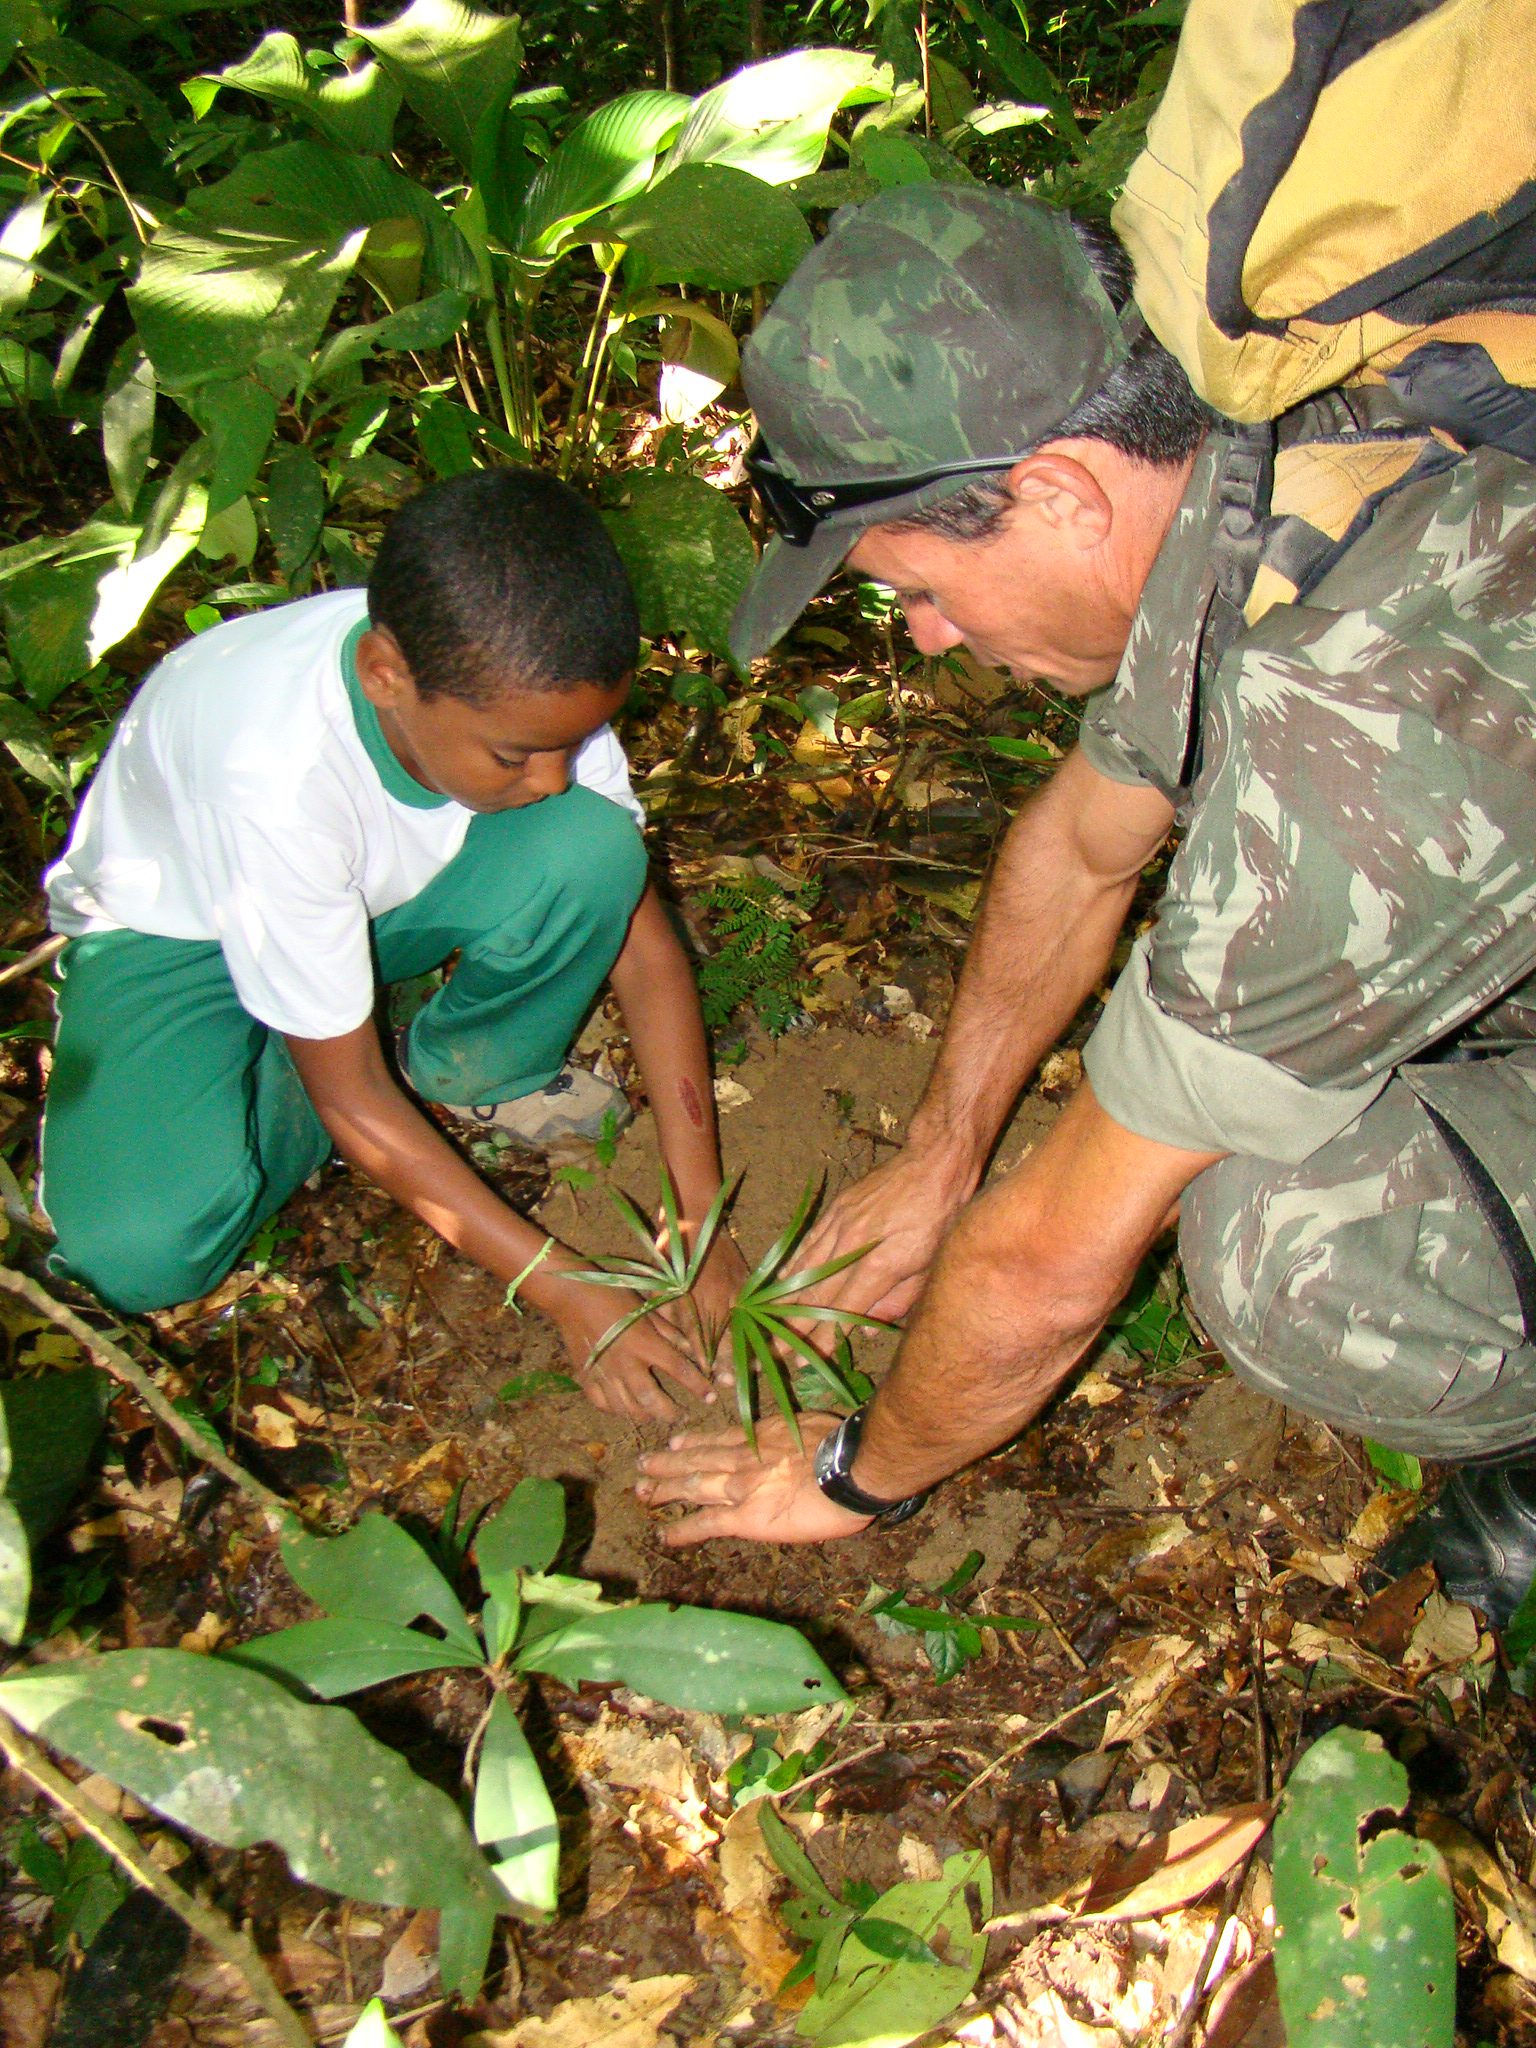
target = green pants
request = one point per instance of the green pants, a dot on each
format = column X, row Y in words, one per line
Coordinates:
column 176, row 1123
column 1366, row 1285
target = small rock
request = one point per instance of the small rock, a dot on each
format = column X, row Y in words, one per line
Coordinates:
column 1082, row 1785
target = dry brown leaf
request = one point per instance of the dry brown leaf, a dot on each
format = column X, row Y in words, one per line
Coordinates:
column 617, row 1753
column 1446, row 1637
column 1503, row 1907
column 628, row 2016
column 1126, row 1550
column 27, row 1998
column 270, row 1426
column 207, row 1636
column 411, row 1963
column 1156, row 1666
column 1175, row 1869
column 1389, row 1619
column 1335, row 1569
column 1245, row 2012
column 1382, row 1516
column 302, row 1965
column 302, row 1410
column 1097, row 1391
column 749, row 1879
column 1308, row 1643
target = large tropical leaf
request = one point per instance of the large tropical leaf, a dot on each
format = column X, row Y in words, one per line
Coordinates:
column 212, row 296
column 330, row 192
column 607, row 157
column 712, row 226
column 691, row 1657
column 515, row 1819
column 687, row 552
column 772, row 119
column 376, row 1572
column 354, row 109
column 455, row 65
column 524, row 1534
column 339, row 1655
column 54, row 1423
column 237, row 1758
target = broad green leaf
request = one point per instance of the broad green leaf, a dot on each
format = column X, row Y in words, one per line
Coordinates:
column 454, row 64
column 26, row 378
column 353, row 109
column 1398, row 1468
column 878, row 1998
column 604, row 159
column 239, row 417
column 1023, row 72
column 15, row 1554
column 24, row 235
column 376, row 1572
column 210, row 298
column 295, row 513
column 230, row 536
column 1365, row 1926
column 28, row 742
column 234, row 1756
column 464, row 1944
column 1019, row 750
column 692, row 1657
column 128, row 422
column 54, row 1423
column 891, row 160
column 426, row 324
column 514, row 1818
column 498, row 1621
column 373, row 2029
column 772, row 119
column 712, row 226
column 342, row 1654
column 328, row 193
column 524, row 1534
column 688, row 554
column 784, row 1847
column 68, row 62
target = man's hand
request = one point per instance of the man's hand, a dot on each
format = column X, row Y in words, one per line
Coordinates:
column 768, row 1495
column 626, row 1379
column 901, row 1212
column 725, row 1271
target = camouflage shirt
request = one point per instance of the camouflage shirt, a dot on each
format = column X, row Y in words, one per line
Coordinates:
column 1357, row 875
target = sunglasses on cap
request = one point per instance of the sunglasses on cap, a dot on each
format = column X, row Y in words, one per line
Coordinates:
column 796, row 510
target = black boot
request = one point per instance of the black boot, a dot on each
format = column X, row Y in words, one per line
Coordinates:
column 1480, row 1535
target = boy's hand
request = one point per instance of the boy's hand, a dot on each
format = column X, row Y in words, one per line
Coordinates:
column 625, row 1380
column 724, row 1274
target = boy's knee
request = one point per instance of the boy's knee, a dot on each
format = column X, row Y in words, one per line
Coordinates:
column 599, row 859
column 134, row 1271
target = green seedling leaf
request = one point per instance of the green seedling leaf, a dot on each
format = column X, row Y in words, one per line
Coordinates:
column 464, row 1944
column 878, row 1997
column 1398, row 1468
column 558, row 1589
column 373, row 2029
column 865, row 710
column 503, row 1613
column 235, row 1757
column 691, row 1657
column 454, row 63
column 523, row 1384
column 1365, row 1923
column 783, row 1845
column 524, row 1534
column 1520, row 1642
column 1019, row 750
column 333, row 1657
column 527, row 1273
column 892, row 1942
column 376, row 1572
column 515, row 1821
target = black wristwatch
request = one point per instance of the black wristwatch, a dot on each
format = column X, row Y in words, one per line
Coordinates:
column 833, row 1463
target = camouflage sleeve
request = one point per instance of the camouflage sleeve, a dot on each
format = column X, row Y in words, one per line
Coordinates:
column 1358, row 875
column 1137, row 729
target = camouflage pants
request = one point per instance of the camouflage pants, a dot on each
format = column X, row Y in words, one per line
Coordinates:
column 1366, row 1285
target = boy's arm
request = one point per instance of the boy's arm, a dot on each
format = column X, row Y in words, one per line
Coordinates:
column 375, row 1126
column 653, row 981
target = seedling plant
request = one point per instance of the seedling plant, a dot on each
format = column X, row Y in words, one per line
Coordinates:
column 951, row 1638
column 760, row 1328
column 242, row 1747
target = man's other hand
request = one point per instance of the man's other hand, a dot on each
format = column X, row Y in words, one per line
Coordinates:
column 901, row 1212
column 768, row 1495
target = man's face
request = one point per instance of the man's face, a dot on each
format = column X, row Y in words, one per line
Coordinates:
column 1031, row 598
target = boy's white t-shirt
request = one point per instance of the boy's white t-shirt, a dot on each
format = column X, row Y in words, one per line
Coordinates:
column 249, row 797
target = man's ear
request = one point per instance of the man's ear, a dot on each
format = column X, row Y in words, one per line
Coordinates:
column 383, row 672
column 1063, row 494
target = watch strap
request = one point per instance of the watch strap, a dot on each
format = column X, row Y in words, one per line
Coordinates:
column 832, row 1463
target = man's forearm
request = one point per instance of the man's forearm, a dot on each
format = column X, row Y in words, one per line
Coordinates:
column 1021, row 1288
column 1052, row 913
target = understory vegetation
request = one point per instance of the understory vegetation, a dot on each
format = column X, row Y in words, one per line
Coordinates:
column 263, row 272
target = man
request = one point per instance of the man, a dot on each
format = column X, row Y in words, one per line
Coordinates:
column 951, row 403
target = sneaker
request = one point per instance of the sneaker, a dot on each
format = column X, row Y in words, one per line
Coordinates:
column 1480, row 1535
column 576, row 1104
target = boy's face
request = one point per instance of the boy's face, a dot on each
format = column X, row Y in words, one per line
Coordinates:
column 497, row 756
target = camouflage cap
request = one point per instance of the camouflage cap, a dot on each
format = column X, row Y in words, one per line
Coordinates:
column 935, row 325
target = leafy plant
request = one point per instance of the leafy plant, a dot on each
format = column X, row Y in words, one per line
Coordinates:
column 233, row 1747
column 754, row 922
column 81, row 1880
column 760, row 1328
column 1365, row 1928
column 887, row 1965
column 1150, row 1324
column 764, row 1771
column 1400, row 1469
column 951, row 1637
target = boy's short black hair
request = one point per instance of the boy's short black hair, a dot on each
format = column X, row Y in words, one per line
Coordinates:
column 504, row 579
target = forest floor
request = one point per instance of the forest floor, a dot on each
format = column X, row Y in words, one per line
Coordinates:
column 1186, row 1558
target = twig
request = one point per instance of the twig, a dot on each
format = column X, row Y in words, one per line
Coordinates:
column 105, row 1829
column 1200, row 1989
column 1018, row 1748
column 38, row 957
column 117, row 1362
column 843, row 1763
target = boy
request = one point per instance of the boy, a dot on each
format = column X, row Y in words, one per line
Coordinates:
column 310, row 801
